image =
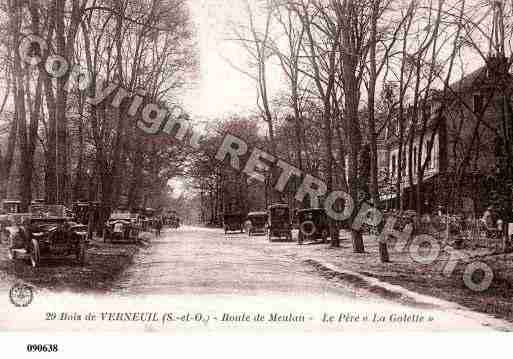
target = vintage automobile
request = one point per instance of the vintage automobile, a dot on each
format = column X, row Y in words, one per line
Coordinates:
column 174, row 222
column 257, row 223
column 92, row 214
column 81, row 212
column 7, row 210
column 313, row 224
column 278, row 222
column 232, row 222
column 126, row 222
column 47, row 233
column 9, row 223
column 171, row 219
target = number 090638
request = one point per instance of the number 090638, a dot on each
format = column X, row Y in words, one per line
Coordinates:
column 42, row 348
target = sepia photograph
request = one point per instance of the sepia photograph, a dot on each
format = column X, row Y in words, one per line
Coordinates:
column 255, row 166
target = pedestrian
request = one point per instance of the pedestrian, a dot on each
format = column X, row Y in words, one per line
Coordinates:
column 158, row 227
column 488, row 217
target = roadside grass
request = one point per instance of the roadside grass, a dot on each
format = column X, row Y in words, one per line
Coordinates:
column 429, row 280
column 104, row 263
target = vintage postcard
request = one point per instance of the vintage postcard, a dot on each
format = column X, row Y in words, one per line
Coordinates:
column 259, row 166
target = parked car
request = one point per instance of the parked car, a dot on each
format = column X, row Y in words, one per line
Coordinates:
column 8, row 211
column 257, row 223
column 10, row 223
column 172, row 220
column 278, row 222
column 81, row 212
column 313, row 224
column 232, row 222
column 121, row 227
column 92, row 214
column 47, row 236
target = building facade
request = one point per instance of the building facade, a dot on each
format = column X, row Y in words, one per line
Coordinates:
column 452, row 149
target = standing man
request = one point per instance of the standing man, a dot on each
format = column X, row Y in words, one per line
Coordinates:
column 158, row 227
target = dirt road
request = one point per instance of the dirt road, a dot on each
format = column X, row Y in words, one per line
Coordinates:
column 200, row 279
column 202, row 262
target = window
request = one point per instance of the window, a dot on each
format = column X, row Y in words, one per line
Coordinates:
column 478, row 103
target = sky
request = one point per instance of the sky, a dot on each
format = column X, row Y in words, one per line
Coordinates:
column 221, row 89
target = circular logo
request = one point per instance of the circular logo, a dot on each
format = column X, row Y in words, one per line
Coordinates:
column 21, row 295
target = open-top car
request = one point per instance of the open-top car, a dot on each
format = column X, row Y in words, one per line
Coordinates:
column 9, row 213
column 121, row 227
column 47, row 233
column 278, row 222
column 257, row 223
column 92, row 214
column 232, row 222
column 9, row 224
column 313, row 224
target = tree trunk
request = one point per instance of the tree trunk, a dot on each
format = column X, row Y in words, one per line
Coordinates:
column 7, row 160
column 134, row 193
column 374, row 190
column 26, row 160
column 351, row 94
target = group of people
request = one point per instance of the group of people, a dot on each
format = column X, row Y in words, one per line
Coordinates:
column 158, row 223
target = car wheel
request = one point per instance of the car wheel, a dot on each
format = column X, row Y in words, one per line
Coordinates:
column 35, row 255
column 81, row 253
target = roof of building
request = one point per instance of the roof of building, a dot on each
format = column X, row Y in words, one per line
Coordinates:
column 473, row 79
column 494, row 68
